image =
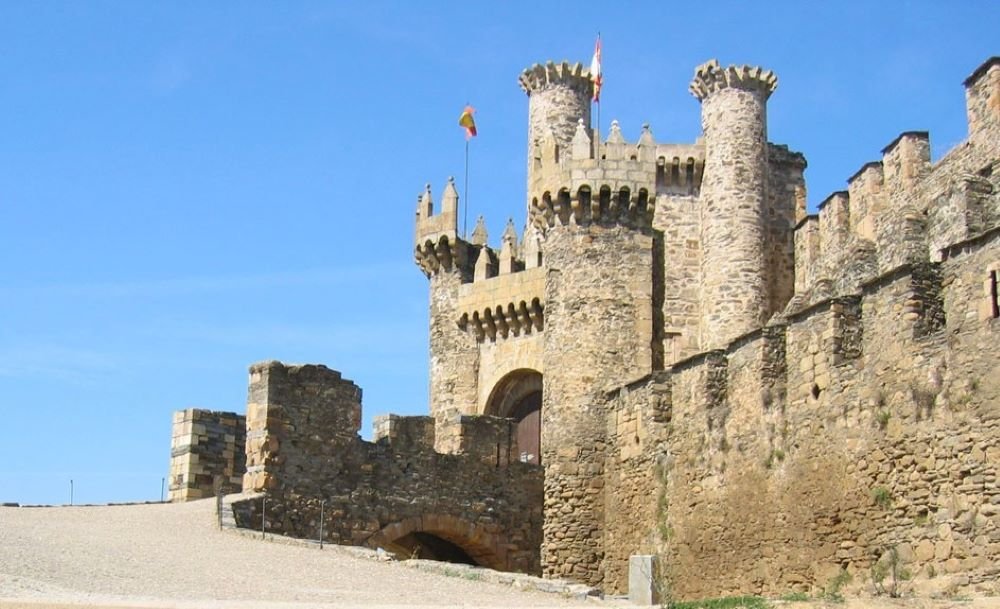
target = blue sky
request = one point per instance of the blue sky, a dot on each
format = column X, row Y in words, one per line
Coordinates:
column 187, row 188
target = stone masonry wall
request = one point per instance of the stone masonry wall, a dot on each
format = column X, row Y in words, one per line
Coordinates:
column 880, row 440
column 786, row 206
column 677, row 220
column 599, row 330
column 454, row 360
column 206, row 454
column 636, row 455
column 303, row 448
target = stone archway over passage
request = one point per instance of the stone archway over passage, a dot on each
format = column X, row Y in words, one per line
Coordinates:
column 484, row 548
column 518, row 396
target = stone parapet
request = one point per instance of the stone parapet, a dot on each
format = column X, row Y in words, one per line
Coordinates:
column 711, row 78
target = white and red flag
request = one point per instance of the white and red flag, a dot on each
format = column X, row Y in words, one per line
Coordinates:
column 595, row 70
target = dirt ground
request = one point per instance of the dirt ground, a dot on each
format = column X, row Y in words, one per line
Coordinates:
column 172, row 556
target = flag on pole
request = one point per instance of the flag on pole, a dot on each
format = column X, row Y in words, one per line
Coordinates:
column 595, row 70
column 468, row 122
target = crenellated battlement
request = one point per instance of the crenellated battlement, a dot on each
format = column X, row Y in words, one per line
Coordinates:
column 710, row 78
column 541, row 77
column 900, row 211
column 661, row 168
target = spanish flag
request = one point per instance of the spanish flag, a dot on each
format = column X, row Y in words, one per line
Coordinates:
column 595, row 70
column 468, row 122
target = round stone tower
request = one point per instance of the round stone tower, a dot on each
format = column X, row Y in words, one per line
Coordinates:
column 733, row 198
column 558, row 98
column 598, row 335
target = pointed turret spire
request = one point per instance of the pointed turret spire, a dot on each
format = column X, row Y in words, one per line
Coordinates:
column 425, row 205
column 479, row 234
column 647, row 145
column 580, row 147
column 509, row 232
column 449, row 202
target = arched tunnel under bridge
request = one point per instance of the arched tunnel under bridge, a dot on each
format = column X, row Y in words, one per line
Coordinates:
column 445, row 538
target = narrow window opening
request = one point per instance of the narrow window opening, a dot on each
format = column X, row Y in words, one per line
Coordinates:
column 994, row 297
column 816, row 391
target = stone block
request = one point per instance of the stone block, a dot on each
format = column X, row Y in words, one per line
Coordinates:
column 643, row 580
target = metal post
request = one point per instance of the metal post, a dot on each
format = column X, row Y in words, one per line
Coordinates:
column 263, row 516
column 71, row 491
column 322, row 512
column 163, row 489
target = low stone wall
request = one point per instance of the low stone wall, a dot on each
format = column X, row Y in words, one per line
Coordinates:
column 304, row 454
column 207, row 454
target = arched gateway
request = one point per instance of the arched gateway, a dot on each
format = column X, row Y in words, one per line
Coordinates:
column 518, row 395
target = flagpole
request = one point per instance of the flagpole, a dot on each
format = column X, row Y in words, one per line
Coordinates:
column 465, row 218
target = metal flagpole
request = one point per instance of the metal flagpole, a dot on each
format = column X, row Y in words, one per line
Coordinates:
column 465, row 218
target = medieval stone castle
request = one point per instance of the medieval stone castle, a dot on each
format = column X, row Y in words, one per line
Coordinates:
column 673, row 358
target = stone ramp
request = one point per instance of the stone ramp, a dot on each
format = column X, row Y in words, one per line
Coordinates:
column 174, row 555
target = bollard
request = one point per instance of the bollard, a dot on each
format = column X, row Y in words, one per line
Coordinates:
column 263, row 515
column 322, row 512
column 71, row 491
column 643, row 580
column 163, row 489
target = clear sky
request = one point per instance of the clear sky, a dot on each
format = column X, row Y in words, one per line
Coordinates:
column 187, row 188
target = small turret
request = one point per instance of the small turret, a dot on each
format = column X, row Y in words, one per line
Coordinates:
column 437, row 241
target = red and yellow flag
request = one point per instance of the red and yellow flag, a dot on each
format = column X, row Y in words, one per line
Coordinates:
column 468, row 122
column 595, row 70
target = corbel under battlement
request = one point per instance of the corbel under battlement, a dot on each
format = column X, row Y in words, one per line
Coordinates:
column 503, row 306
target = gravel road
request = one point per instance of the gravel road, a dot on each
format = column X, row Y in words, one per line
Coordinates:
column 172, row 555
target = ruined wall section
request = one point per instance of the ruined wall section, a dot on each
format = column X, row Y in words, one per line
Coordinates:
column 207, row 455
column 303, row 448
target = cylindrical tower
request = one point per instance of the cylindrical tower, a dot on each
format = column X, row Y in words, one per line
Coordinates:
column 733, row 199
column 598, row 335
column 558, row 97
